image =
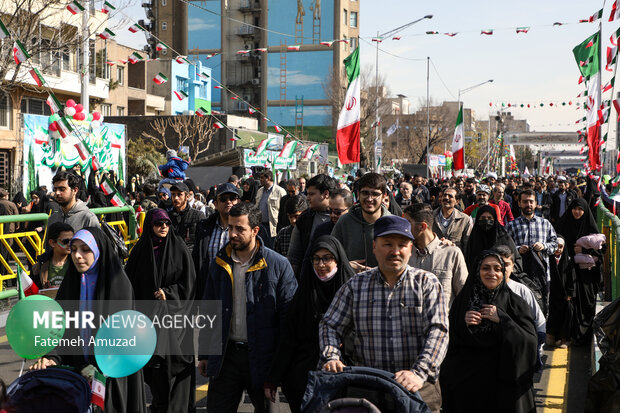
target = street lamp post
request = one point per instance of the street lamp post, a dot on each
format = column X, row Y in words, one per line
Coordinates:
column 378, row 40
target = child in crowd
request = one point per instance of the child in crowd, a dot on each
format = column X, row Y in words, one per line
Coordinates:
column 51, row 266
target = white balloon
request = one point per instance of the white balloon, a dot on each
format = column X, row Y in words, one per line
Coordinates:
column 101, row 119
column 95, row 124
column 55, row 134
column 69, row 111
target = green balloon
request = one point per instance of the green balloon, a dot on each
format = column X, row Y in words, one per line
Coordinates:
column 27, row 341
column 89, row 118
column 53, row 118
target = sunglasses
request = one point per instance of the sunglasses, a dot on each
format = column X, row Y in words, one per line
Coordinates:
column 160, row 224
column 337, row 212
column 63, row 242
column 228, row 198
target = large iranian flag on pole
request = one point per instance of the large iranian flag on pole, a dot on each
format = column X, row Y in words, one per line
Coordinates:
column 458, row 142
column 589, row 51
column 348, row 135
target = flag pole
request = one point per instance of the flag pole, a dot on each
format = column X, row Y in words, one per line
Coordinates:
column 428, row 119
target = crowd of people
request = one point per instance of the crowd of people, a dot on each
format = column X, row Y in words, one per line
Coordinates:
column 453, row 285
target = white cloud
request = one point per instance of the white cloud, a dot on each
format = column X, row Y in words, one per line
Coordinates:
column 293, row 78
column 195, row 23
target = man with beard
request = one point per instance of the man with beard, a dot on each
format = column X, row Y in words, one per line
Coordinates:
column 450, row 223
column 72, row 210
column 404, row 197
column 560, row 200
column 355, row 230
column 469, row 197
column 533, row 234
column 391, row 304
column 420, row 192
column 184, row 218
column 255, row 286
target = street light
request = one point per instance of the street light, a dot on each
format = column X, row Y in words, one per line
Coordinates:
column 378, row 40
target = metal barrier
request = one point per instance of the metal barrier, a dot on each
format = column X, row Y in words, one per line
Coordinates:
column 22, row 248
column 609, row 225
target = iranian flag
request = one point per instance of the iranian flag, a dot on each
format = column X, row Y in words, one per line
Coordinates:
column 288, row 150
column 135, row 28
column 107, row 7
column 217, row 87
column 348, row 135
column 36, row 75
column 278, row 128
column 64, row 128
column 592, row 72
column 95, row 163
column 135, row 57
column 488, row 32
column 97, row 389
column 53, row 102
column 181, row 60
column 294, row 47
column 117, row 200
column 201, row 112
column 106, row 34
column 523, row 29
column 160, row 79
column 180, row 95
column 252, row 111
column 83, row 151
column 218, row 125
column 19, row 52
column 4, row 32
column 458, row 146
column 107, row 187
column 75, row 7
column 328, row 44
column 309, row 153
column 161, row 46
column 26, row 283
column 262, row 146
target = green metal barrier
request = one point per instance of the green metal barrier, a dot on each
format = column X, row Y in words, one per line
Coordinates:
column 20, row 242
column 609, row 225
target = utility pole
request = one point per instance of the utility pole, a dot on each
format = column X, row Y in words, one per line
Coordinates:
column 85, row 98
column 428, row 118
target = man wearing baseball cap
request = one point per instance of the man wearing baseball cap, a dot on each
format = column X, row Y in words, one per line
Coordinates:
column 399, row 312
column 184, row 218
column 483, row 193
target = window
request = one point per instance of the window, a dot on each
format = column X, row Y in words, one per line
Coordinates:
column 344, row 16
column 66, row 60
column 105, row 109
column 164, row 26
column 120, row 75
column 182, row 85
column 353, row 19
column 164, row 3
column 120, row 111
column 35, row 107
column 353, row 42
column 5, row 111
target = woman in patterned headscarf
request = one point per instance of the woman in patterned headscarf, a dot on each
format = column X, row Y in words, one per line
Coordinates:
column 491, row 357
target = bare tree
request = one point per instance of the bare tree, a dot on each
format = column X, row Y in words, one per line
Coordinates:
column 336, row 91
column 193, row 131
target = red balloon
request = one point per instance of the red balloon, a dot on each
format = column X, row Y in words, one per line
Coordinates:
column 53, row 126
column 79, row 116
column 528, row 105
column 70, row 103
column 79, row 108
column 570, row 102
column 96, row 115
column 550, row 104
column 490, row 103
column 509, row 105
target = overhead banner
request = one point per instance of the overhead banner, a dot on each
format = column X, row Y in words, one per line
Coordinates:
column 268, row 159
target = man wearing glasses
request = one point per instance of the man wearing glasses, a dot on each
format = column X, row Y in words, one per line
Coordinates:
column 212, row 233
column 340, row 203
column 355, row 230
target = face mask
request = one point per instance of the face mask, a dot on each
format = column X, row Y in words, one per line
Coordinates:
column 327, row 276
column 486, row 224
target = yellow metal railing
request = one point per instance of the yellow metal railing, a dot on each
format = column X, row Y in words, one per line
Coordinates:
column 22, row 248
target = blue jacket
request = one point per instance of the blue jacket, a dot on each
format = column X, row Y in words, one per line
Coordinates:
column 270, row 286
column 174, row 168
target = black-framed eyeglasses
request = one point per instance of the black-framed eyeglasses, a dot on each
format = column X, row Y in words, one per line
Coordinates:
column 337, row 212
column 160, row 224
column 371, row 194
column 325, row 260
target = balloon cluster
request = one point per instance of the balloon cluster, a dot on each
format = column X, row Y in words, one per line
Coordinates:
column 74, row 111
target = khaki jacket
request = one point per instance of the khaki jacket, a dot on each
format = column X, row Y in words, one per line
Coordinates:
column 273, row 203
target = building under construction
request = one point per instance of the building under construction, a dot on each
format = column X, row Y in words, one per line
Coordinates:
column 285, row 69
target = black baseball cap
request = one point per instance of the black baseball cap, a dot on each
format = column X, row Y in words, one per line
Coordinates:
column 227, row 188
column 179, row 186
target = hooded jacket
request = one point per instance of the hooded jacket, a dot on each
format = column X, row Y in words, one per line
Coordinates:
column 356, row 235
column 79, row 216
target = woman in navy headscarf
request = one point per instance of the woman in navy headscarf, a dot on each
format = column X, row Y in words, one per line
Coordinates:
column 96, row 280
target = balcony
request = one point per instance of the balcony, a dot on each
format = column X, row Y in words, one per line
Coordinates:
column 246, row 30
column 249, row 6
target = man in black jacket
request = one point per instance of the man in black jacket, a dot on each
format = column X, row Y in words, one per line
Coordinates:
column 184, row 218
column 560, row 200
column 292, row 189
column 319, row 189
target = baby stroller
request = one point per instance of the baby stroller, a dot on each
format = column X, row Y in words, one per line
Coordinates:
column 52, row 389
column 359, row 390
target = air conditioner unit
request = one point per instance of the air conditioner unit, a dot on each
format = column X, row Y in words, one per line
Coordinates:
column 256, row 81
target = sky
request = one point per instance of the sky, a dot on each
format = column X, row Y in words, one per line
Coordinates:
column 537, row 67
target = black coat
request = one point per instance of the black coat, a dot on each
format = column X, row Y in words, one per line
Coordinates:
column 554, row 213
